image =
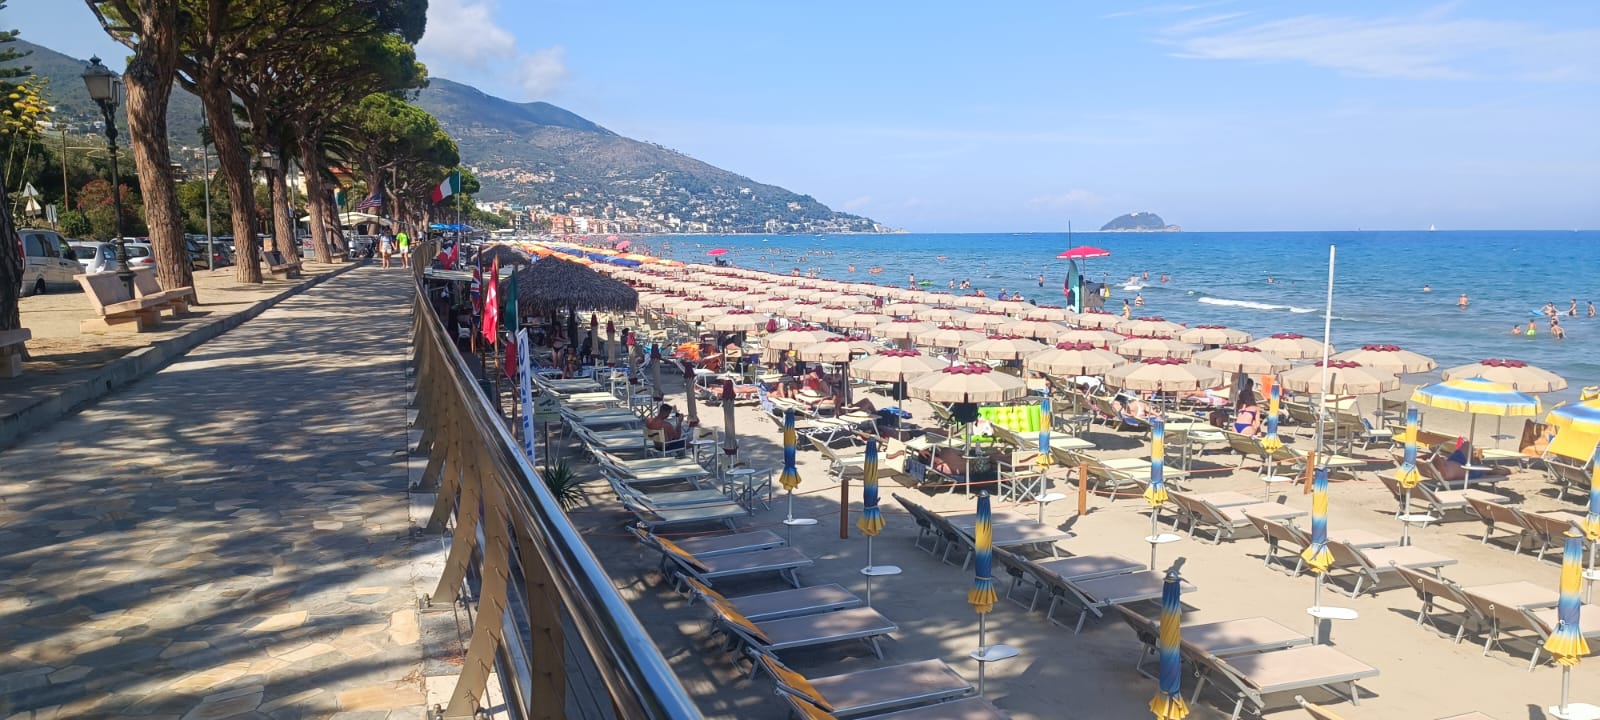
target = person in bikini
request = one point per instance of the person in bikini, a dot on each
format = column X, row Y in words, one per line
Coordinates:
column 1453, row 467
column 1247, row 420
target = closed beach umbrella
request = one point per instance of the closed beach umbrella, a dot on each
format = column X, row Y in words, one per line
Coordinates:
column 1073, row 358
column 982, row 596
column 1388, row 358
column 1476, row 396
column 688, row 394
column 1591, row 522
column 1098, row 338
column 1163, row 375
column 1291, row 346
column 655, row 372
column 1407, row 475
column 1566, row 645
column 730, row 438
column 1521, row 376
column 871, row 521
column 1156, row 493
column 1317, row 555
column 948, row 337
column 1247, row 359
column 1583, row 417
column 1037, row 329
column 1002, row 348
column 1047, row 313
column 1214, row 335
column 1168, row 703
column 1156, row 327
column 1149, row 347
column 1271, row 442
column 790, row 478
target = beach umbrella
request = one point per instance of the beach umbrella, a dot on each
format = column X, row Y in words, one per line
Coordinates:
column 1566, row 645
column 901, row 329
column 1168, row 703
column 973, row 384
column 1583, row 417
column 798, row 337
column 773, row 304
column 871, row 521
column 1002, row 347
column 1318, row 558
column 1246, row 359
column 790, row 478
column 704, row 312
column 834, row 350
column 1098, row 338
column 744, row 321
column 1476, row 396
column 982, row 595
column 896, row 367
column 1038, row 329
column 730, row 438
column 1083, row 252
column 1046, row 313
column 1344, row 378
column 1163, row 375
column 983, row 320
column 1407, row 475
column 1521, row 376
column 1389, row 358
column 905, row 309
column 1291, row 346
column 1150, row 347
column 862, row 321
column 717, row 252
column 825, row 314
column 1156, row 493
column 1095, row 320
column 948, row 337
column 972, row 301
column 1073, row 358
column 1154, row 327
column 942, row 315
column 688, row 394
column 1214, row 335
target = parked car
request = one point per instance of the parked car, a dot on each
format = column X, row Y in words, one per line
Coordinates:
column 197, row 253
column 140, row 254
column 95, row 256
column 48, row 261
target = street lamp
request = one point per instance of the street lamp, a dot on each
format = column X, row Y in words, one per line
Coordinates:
column 105, row 88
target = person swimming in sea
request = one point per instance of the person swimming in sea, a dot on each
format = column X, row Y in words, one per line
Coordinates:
column 1516, row 330
column 1138, row 300
column 1556, row 331
column 852, row 268
column 1591, row 308
column 911, row 280
column 1269, row 279
column 1041, row 279
column 1427, row 288
column 1572, row 310
column 1533, row 329
column 1463, row 302
column 1166, row 278
column 1127, row 310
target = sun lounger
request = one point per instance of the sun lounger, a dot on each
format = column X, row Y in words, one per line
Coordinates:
column 772, row 636
column 1224, row 521
column 973, row 708
column 1278, row 532
column 874, row 690
column 677, row 499
column 1252, row 678
column 1512, row 607
column 1432, row 590
column 1007, row 534
column 707, row 546
column 652, row 518
column 785, row 561
column 1223, row 639
column 1496, row 516
column 794, row 602
column 1092, row 595
column 1372, row 563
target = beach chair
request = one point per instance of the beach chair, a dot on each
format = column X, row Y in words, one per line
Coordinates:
column 785, row 561
column 1567, row 477
column 1503, row 517
column 677, row 499
column 1223, row 521
column 1222, row 639
column 706, row 546
column 1249, row 448
column 1092, row 596
column 794, row 602
column 653, row 518
column 1514, row 623
column 1548, row 530
column 774, row 636
column 925, row 526
column 1433, row 590
column 873, row 690
column 1252, row 678
column 972, row 708
column 1441, row 502
column 1278, row 535
column 1004, row 535
column 1371, row 564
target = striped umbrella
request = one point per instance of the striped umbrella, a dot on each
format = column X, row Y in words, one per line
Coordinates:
column 1168, row 703
column 1317, row 556
column 871, row 521
column 1584, row 416
column 1476, row 396
column 1566, row 645
column 1156, row 493
column 1408, row 474
column 1591, row 524
column 982, row 596
column 790, row 479
column 1271, row 443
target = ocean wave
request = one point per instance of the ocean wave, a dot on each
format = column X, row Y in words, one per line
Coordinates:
column 1254, row 305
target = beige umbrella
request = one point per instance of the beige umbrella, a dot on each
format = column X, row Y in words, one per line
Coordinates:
column 1038, row 329
column 1094, row 321
column 941, row 315
column 798, row 337
column 1291, row 346
column 1389, row 358
column 967, row 384
column 704, row 312
column 1098, row 338
column 1014, row 308
column 1070, row 358
column 797, row 308
column 972, row 301
column 1047, row 313
column 1163, row 375
column 862, row 321
column 737, row 321
column 1521, row 376
column 1344, row 378
column 948, row 337
column 901, row 329
column 1003, row 347
column 825, row 315
column 1149, row 347
column 905, row 308
column 1150, row 327
column 851, row 301
column 1214, row 335
column 896, row 366
column 771, row 305
column 982, row 320
column 1247, row 359
column 834, row 350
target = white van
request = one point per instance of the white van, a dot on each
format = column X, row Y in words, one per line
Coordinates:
column 48, row 262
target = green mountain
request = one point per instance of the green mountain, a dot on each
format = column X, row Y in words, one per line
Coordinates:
column 77, row 113
column 1139, row 222
column 539, row 155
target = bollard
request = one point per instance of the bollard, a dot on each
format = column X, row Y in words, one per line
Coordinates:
column 1083, row 489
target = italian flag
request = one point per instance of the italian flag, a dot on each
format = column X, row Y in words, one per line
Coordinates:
column 450, row 186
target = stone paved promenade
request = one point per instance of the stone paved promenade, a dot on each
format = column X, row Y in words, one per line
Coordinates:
column 227, row 538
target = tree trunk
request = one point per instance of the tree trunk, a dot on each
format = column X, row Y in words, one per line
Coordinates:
column 316, row 195
column 10, row 268
column 149, row 82
column 236, row 171
column 283, row 235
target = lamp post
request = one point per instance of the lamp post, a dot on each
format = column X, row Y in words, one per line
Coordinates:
column 105, row 88
column 269, row 168
column 205, row 162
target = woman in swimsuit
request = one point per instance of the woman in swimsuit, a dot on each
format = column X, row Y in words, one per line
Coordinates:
column 1247, row 421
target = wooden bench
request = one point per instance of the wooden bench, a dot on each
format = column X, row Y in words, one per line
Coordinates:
column 145, row 285
column 280, row 268
column 117, row 310
column 11, row 350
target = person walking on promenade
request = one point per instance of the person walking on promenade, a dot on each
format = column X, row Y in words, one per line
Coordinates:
column 385, row 247
column 404, row 242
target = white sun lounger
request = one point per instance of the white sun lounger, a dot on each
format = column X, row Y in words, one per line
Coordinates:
column 653, row 518
column 874, row 690
column 1251, row 678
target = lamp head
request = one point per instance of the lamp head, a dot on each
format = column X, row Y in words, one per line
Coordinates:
column 101, row 82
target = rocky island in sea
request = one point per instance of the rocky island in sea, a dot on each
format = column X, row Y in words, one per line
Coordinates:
column 1139, row 222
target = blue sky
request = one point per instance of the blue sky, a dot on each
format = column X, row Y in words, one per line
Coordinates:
column 1018, row 116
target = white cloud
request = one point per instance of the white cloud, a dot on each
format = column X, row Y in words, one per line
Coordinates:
column 1427, row 46
column 1071, row 198
column 464, row 42
column 854, row 204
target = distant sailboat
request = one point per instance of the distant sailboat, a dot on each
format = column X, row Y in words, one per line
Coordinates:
column 1431, row 227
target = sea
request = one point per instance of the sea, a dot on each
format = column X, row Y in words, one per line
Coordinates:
column 1261, row 282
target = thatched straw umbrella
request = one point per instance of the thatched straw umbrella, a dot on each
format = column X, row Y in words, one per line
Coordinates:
column 553, row 284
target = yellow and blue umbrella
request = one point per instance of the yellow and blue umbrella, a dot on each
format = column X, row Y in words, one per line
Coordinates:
column 1168, row 703
column 1476, row 396
column 1591, row 523
column 1271, row 443
column 1566, row 645
column 1156, row 492
column 1584, row 416
column 871, row 521
column 1407, row 474
column 790, row 479
column 982, row 596
column 1044, row 431
column 1317, row 555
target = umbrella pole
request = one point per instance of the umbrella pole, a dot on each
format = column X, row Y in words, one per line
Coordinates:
column 868, row 574
column 1405, row 512
column 966, row 464
column 981, row 638
column 1155, row 531
column 1472, row 439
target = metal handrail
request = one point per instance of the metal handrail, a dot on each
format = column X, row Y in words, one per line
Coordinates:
column 637, row 678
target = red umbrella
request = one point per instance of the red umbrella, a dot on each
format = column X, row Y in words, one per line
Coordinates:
column 717, row 252
column 1084, row 252
column 624, row 245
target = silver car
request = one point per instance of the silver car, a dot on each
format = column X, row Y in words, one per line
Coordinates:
column 95, row 257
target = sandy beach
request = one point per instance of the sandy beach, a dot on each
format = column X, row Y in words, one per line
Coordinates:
column 1090, row 675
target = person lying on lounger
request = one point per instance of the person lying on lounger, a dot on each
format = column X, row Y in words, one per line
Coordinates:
column 1453, row 467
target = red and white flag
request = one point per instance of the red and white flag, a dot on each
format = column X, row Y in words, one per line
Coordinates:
column 491, row 304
